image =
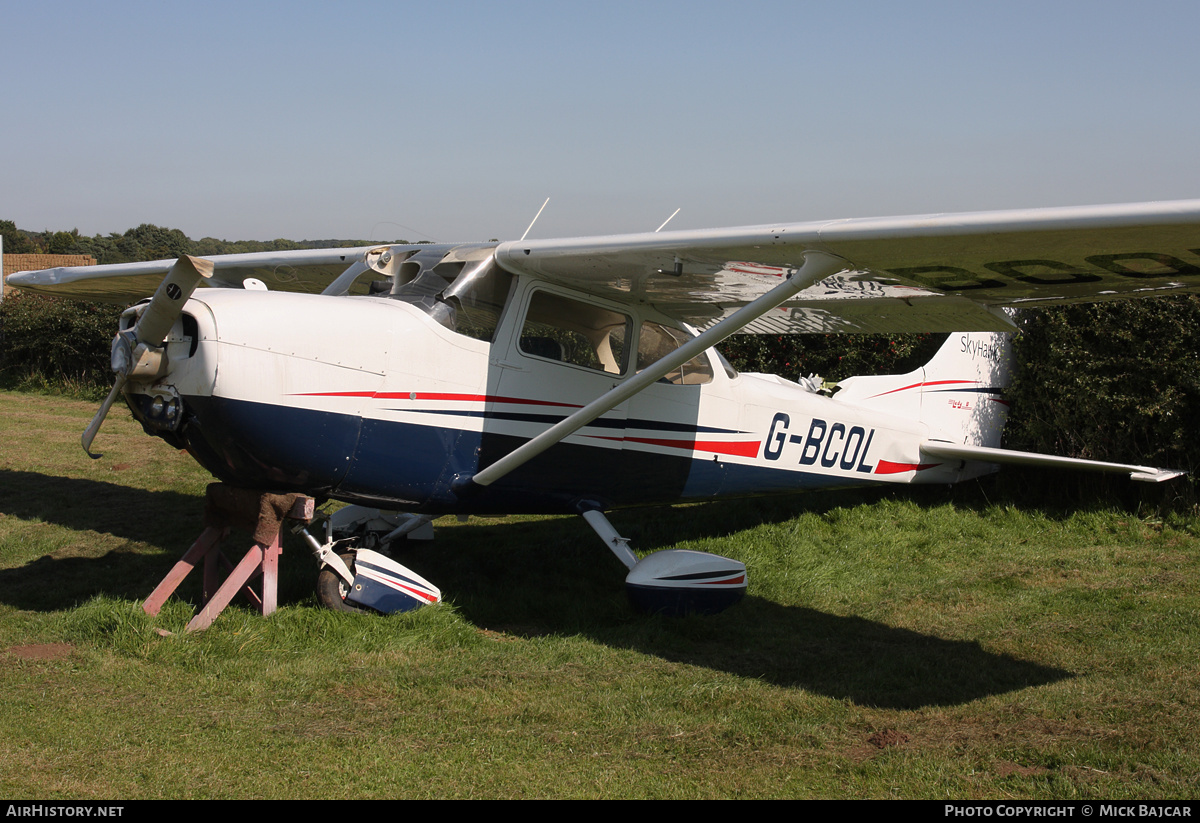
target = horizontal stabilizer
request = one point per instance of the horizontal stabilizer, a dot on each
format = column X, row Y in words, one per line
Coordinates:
column 958, row 451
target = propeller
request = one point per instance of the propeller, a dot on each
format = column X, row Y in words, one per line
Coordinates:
column 138, row 350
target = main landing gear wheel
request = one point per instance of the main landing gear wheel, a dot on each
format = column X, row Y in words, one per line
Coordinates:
column 332, row 589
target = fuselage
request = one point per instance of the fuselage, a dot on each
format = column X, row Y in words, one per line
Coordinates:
column 379, row 401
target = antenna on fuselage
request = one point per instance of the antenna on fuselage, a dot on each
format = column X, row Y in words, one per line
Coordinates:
column 668, row 220
column 535, row 217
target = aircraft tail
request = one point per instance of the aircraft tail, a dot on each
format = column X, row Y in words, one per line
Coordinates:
column 959, row 394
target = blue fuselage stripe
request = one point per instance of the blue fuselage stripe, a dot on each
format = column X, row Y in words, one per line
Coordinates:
column 410, row 466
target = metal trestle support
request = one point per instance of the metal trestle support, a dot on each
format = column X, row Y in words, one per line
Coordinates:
column 262, row 513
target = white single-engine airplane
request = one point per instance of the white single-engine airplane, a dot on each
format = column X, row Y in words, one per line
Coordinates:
column 552, row 376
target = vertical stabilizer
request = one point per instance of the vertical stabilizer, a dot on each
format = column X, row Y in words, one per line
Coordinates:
column 959, row 394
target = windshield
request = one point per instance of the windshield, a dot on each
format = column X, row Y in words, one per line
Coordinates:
column 465, row 297
column 478, row 294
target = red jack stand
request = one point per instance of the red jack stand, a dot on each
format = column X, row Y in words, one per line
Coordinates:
column 263, row 513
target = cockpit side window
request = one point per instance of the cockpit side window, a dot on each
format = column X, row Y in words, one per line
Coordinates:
column 570, row 331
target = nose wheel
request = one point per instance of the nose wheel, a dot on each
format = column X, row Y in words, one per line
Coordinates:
column 358, row 580
column 332, row 590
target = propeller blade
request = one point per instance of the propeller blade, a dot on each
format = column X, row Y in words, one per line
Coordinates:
column 167, row 303
column 89, row 434
column 151, row 329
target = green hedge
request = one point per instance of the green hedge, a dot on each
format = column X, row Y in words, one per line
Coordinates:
column 1112, row 381
column 52, row 341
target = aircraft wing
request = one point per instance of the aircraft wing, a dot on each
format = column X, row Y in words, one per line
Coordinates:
column 307, row 270
column 940, row 272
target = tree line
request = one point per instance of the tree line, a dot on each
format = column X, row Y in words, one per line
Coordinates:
column 149, row 242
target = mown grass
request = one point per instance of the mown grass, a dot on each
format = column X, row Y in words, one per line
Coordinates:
column 930, row 644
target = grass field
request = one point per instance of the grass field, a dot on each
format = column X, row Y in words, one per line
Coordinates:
column 893, row 645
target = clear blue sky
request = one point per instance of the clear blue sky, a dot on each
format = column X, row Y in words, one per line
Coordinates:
column 454, row 120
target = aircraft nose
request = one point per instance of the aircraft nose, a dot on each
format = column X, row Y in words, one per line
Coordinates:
column 187, row 369
column 161, row 411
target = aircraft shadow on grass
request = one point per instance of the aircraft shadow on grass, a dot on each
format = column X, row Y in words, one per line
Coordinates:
column 536, row 577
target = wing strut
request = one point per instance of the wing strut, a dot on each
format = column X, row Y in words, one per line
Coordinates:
column 817, row 266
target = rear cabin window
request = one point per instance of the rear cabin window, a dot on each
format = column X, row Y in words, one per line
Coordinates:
column 570, row 331
column 657, row 341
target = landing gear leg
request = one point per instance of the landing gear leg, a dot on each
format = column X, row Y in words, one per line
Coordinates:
column 677, row 581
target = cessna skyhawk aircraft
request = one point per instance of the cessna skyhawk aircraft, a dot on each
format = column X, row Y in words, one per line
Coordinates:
column 578, row 375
